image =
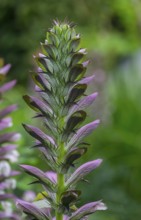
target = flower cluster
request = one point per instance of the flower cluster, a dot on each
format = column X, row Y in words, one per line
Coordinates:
column 8, row 153
column 61, row 85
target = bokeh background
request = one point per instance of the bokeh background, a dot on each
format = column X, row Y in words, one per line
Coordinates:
column 111, row 30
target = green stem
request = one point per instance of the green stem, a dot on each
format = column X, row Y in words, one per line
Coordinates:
column 60, row 182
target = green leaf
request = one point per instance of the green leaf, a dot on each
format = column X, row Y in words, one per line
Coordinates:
column 74, row 43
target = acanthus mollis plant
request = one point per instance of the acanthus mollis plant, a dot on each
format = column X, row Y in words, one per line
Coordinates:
column 61, row 85
column 8, row 152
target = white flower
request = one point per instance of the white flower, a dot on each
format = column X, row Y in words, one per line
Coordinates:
column 29, row 196
column 5, row 168
column 12, row 156
column 7, row 206
column 10, row 183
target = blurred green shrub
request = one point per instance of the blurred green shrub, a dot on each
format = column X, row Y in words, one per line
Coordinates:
column 111, row 28
column 118, row 142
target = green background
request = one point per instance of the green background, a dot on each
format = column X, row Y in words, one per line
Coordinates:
column 111, row 30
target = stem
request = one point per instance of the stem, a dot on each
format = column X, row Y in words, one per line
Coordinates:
column 60, row 182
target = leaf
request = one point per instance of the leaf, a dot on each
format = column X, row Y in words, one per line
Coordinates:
column 82, row 171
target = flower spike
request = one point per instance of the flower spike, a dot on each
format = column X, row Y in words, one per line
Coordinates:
column 8, row 153
column 61, row 85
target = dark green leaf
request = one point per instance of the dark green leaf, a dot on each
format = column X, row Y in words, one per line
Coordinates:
column 49, row 50
column 45, row 64
column 77, row 72
column 74, row 43
column 41, row 81
column 37, row 105
column 69, row 198
column 76, row 92
column 73, row 155
column 76, row 58
column 75, row 119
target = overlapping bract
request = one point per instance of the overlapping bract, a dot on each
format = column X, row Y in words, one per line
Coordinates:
column 61, row 85
column 8, row 153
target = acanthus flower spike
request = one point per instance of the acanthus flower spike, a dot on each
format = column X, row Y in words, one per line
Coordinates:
column 8, row 153
column 61, row 85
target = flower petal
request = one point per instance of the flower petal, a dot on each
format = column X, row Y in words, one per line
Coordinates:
column 7, row 110
column 5, row 69
column 87, row 210
column 88, row 100
column 82, row 171
column 39, row 135
column 40, row 175
column 7, row 86
column 5, row 123
column 6, row 149
column 6, row 196
column 12, row 216
column 52, row 176
column 9, row 137
column 37, row 105
column 32, row 210
column 87, row 80
column 82, row 132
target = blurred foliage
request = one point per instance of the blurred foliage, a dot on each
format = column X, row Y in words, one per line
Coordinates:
column 110, row 28
column 111, row 31
column 118, row 142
